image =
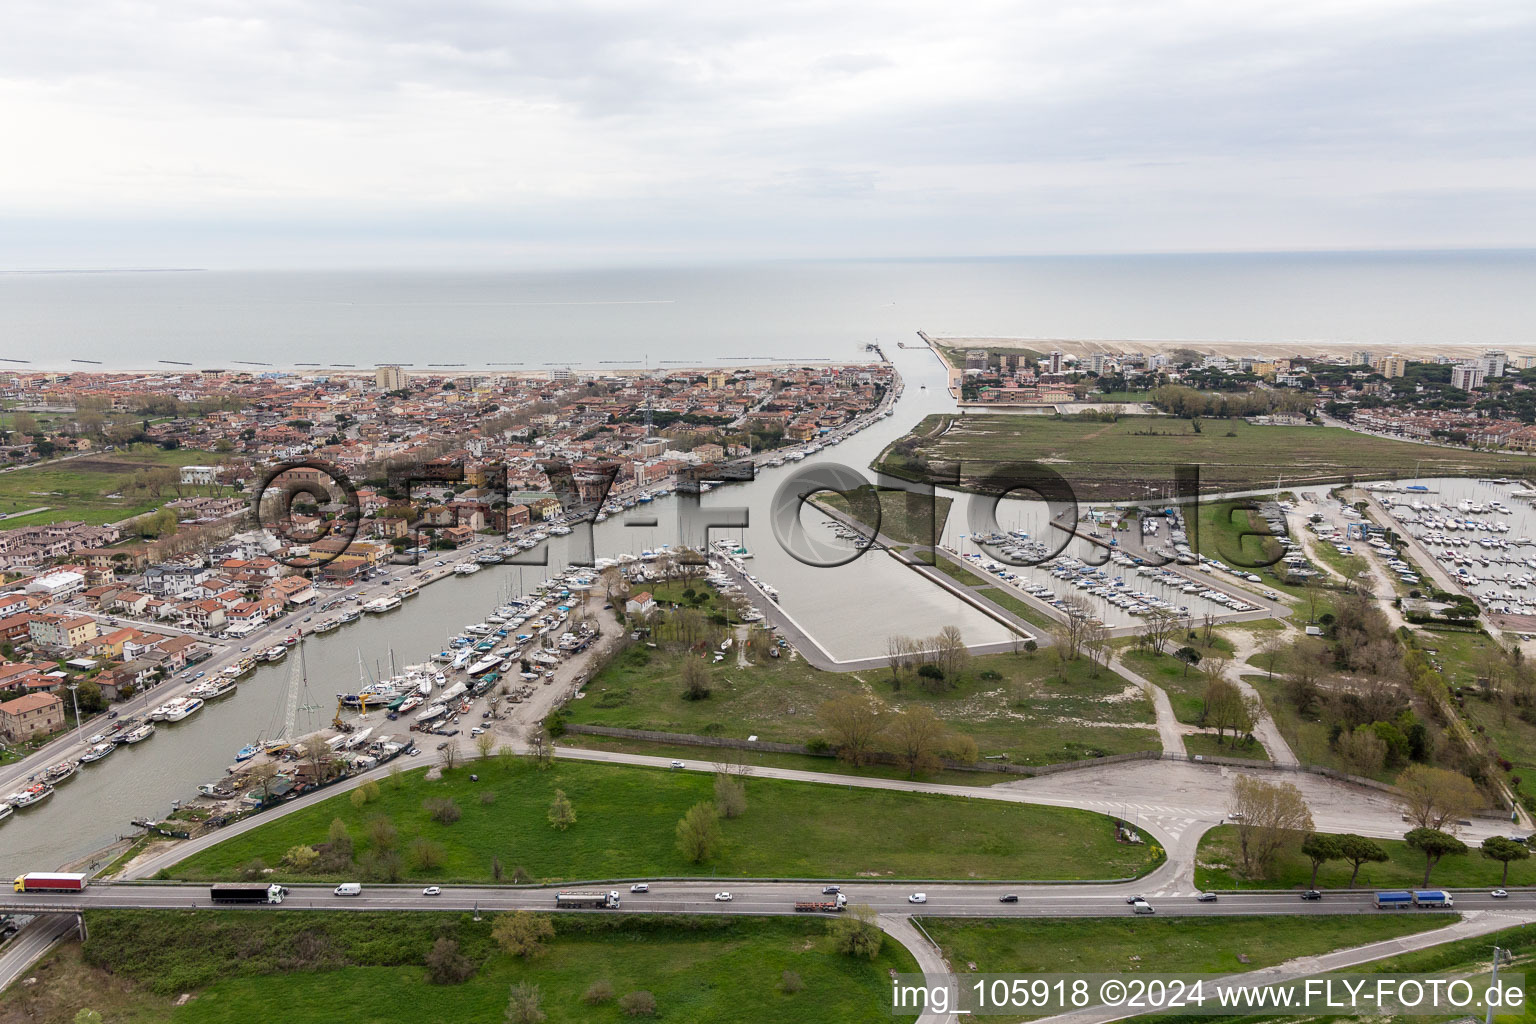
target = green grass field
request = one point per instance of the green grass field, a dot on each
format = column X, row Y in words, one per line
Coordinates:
column 1120, row 459
column 364, row 968
column 1218, row 867
column 86, row 487
column 626, row 819
column 1206, row 744
column 1014, row 705
column 905, row 517
column 1022, row 609
column 1136, row 944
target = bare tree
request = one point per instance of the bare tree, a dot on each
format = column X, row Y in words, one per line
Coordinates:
column 917, row 736
column 950, row 651
column 1437, row 798
column 854, row 722
column 1158, row 628
column 1271, row 816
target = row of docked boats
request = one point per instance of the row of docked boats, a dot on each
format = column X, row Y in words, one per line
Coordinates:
column 40, row 785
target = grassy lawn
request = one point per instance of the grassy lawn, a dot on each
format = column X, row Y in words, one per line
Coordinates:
column 1130, row 944
column 1120, row 459
column 906, row 517
column 626, row 819
column 1021, row 608
column 1207, row 744
column 86, row 488
column 364, row 968
column 1183, row 683
column 773, row 759
column 1016, row 705
column 1218, row 867
column 960, row 572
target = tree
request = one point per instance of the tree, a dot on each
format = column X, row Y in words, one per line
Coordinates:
column 698, row 833
column 382, row 834
column 446, row 965
column 87, row 1017
column 1361, row 750
column 523, row 1005
column 484, row 744
column 561, row 814
column 1434, row 798
column 449, row 758
column 695, row 679
column 1434, row 844
column 1273, row 815
column 339, row 840
column 1504, row 850
column 301, row 858
column 950, row 651
column 730, row 796
column 1158, row 628
column 854, row 722
column 427, row 854
column 1319, row 848
column 916, row 734
column 1359, row 850
column 522, row 933
column 856, row 932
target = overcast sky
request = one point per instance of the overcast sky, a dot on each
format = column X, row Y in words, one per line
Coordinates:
column 445, row 132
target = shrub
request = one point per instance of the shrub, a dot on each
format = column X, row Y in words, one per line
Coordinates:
column 443, row 810
column 790, row 983
column 446, row 965
column 638, row 1004
column 598, row 992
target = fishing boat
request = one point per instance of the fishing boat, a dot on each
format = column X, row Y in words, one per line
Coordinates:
column 410, row 703
column 379, row 605
column 277, row 653
column 466, row 568
column 409, row 590
column 247, row 752
column 6, row 810
column 140, row 734
column 327, row 625
column 97, row 752
column 350, row 615
column 435, row 711
column 33, row 794
column 59, row 773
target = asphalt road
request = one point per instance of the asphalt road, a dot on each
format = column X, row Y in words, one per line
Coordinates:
column 753, row 897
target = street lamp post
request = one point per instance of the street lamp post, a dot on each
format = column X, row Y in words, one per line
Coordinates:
column 74, row 695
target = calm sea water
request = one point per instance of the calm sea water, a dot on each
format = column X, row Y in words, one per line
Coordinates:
column 822, row 310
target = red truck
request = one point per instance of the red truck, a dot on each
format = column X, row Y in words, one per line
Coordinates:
column 51, row 881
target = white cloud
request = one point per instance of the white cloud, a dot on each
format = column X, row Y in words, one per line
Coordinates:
column 798, row 128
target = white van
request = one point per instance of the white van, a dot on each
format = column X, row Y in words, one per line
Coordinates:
column 349, row 889
column 1142, row 907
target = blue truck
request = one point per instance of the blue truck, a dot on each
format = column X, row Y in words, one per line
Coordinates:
column 1394, row 900
column 1432, row 898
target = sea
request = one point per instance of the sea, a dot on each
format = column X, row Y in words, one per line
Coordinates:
column 745, row 313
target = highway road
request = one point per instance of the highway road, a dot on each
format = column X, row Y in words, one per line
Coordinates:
column 755, row 897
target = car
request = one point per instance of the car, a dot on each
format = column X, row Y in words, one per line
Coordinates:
column 1311, row 894
column 1499, row 894
column 918, row 897
column 1206, row 897
column 831, row 890
column 1138, row 898
column 1008, row 897
column 245, row 650
column 477, row 730
column 432, row 890
column 678, row 764
column 1235, row 816
column 723, row 897
column 640, row 887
